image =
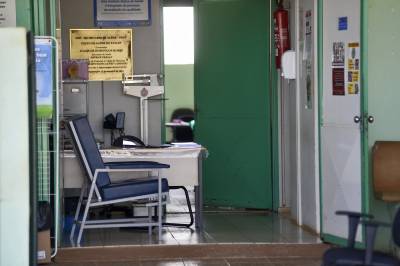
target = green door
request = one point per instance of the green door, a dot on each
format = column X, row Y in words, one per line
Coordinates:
column 381, row 62
column 232, row 98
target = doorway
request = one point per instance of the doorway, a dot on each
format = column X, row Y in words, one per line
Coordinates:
column 232, row 101
column 178, row 32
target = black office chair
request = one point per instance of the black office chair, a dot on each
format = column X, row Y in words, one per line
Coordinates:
column 353, row 256
column 182, row 134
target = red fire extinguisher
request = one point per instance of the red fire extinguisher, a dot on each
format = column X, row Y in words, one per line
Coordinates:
column 281, row 33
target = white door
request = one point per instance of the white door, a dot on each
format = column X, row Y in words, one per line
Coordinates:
column 340, row 132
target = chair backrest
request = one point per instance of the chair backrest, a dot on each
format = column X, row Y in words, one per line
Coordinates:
column 183, row 134
column 86, row 148
column 396, row 228
column 185, row 114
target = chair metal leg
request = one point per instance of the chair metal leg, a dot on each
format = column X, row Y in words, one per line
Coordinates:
column 159, row 209
column 150, row 219
column 89, row 200
column 189, row 207
column 78, row 210
column 78, row 241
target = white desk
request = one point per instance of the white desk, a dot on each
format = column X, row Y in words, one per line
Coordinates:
column 185, row 168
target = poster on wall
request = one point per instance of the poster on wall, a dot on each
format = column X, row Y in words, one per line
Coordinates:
column 338, row 54
column 75, row 69
column 338, row 69
column 338, row 84
column 44, row 76
column 8, row 15
column 353, row 68
column 108, row 52
column 122, row 13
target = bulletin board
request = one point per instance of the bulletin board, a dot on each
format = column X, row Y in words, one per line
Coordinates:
column 108, row 51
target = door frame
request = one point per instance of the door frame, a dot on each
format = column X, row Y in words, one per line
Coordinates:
column 275, row 117
column 365, row 179
column 315, row 100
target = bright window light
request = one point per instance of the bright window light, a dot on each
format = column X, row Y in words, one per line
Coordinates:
column 178, row 36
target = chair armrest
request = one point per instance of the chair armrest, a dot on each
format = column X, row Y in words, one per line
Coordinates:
column 371, row 226
column 354, row 219
column 136, row 165
column 375, row 223
column 355, row 214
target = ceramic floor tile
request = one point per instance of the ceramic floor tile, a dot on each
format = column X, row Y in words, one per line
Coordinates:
column 206, row 262
column 249, row 261
column 186, row 236
column 73, row 263
column 119, row 263
column 295, row 261
column 162, row 263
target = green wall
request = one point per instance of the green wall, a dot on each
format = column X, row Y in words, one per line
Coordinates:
column 178, row 90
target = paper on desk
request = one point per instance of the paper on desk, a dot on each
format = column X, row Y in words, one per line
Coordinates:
column 186, row 144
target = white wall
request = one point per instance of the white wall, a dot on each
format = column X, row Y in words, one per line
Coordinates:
column 299, row 132
column 307, row 115
column 288, row 131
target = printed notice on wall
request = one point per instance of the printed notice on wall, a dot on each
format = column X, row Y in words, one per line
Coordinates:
column 108, row 51
column 122, row 13
column 353, row 68
column 338, row 81
column 338, row 54
column 8, row 15
column 338, row 69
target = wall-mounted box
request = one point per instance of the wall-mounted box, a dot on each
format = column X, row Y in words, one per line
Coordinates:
column 74, row 98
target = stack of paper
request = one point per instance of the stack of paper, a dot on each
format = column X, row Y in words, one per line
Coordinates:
column 186, row 144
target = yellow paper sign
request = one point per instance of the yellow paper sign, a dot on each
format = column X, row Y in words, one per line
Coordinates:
column 109, row 51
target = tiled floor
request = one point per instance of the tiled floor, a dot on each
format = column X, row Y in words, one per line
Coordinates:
column 230, row 237
column 220, row 226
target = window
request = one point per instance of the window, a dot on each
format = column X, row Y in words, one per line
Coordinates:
column 178, row 36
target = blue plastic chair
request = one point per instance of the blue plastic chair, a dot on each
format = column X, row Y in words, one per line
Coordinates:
column 152, row 191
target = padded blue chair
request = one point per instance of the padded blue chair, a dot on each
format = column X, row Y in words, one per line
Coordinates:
column 152, row 191
column 352, row 256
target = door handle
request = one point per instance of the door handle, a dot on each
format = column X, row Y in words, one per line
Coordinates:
column 357, row 119
column 370, row 119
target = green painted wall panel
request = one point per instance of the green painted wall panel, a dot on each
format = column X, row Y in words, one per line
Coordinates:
column 383, row 57
column 24, row 14
column 179, row 90
column 232, row 93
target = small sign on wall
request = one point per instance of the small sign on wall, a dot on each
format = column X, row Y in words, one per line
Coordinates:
column 8, row 15
column 122, row 13
column 353, row 68
column 342, row 23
